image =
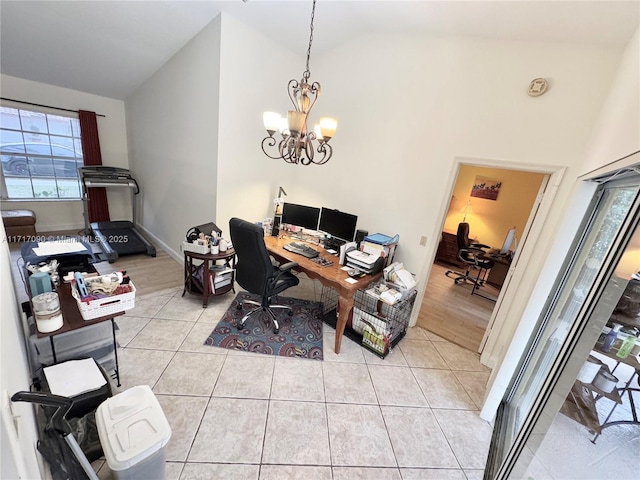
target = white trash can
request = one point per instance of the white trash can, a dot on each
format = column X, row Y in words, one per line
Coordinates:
column 133, row 432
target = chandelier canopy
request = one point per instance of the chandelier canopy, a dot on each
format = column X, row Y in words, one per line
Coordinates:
column 297, row 143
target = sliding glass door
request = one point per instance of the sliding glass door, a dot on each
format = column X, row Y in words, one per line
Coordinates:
column 584, row 295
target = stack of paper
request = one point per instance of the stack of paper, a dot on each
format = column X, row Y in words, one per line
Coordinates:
column 222, row 278
column 74, row 377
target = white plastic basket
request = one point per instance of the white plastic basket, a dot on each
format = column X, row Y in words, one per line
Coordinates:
column 90, row 309
column 192, row 247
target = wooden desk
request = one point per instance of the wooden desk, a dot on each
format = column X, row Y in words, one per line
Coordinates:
column 448, row 249
column 332, row 276
column 72, row 320
column 498, row 273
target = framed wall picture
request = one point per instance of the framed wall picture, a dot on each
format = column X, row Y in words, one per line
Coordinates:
column 486, row 188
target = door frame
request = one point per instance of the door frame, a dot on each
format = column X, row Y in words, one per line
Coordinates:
column 498, row 323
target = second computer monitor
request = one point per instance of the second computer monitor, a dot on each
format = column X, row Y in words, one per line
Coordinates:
column 300, row 215
column 508, row 241
column 338, row 224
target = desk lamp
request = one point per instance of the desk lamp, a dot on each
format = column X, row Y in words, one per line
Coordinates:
column 467, row 209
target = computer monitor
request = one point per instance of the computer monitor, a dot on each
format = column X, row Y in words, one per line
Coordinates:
column 338, row 224
column 509, row 240
column 300, row 215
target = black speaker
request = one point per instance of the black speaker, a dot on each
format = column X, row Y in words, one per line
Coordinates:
column 276, row 226
column 360, row 234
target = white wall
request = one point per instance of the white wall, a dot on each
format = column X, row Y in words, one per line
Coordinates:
column 605, row 148
column 617, row 132
column 407, row 105
column 19, row 451
column 67, row 215
column 254, row 72
column 173, row 140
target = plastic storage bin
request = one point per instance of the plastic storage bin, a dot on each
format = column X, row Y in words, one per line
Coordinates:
column 91, row 341
column 133, row 432
column 102, row 307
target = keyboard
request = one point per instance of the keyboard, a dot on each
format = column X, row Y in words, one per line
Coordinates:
column 301, row 249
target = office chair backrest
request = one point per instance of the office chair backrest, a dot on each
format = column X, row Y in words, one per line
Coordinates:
column 253, row 264
column 463, row 235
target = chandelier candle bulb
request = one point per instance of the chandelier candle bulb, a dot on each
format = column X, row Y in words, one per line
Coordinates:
column 272, row 122
column 328, row 127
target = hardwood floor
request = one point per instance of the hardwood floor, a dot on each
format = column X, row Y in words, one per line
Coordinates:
column 450, row 311
column 149, row 274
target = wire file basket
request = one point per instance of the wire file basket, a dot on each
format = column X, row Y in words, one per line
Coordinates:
column 377, row 325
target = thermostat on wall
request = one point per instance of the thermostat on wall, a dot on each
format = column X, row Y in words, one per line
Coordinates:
column 537, row 87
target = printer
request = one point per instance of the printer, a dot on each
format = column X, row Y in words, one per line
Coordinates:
column 363, row 261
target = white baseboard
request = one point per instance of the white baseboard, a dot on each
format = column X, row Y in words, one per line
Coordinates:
column 177, row 256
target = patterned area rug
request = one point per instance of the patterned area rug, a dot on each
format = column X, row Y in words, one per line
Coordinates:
column 300, row 335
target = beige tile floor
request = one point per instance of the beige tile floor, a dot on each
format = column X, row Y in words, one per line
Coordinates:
column 412, row 415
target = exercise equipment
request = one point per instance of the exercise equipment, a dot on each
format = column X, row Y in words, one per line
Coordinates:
column 116, row 238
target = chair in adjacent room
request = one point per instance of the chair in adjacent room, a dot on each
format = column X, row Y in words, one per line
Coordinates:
column 256, row 273
column 474, row 257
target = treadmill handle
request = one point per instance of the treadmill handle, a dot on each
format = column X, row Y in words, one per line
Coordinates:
column 91, row 183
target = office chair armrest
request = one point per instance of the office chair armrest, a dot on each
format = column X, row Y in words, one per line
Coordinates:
column 473, row 250
column 287, row 266
column 479, row 245
column 281, row 270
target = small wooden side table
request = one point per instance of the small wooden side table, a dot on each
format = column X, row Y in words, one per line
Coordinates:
column 199, row 278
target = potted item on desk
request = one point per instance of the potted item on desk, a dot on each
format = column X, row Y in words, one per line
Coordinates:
column 215, row 246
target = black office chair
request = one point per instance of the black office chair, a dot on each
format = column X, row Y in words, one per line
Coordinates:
column 474, row 256
column 256, row 273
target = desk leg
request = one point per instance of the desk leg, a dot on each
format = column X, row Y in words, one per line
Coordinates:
column 53, row 350
column 115, row 351
column 346, row 305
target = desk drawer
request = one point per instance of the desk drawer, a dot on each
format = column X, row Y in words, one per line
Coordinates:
column 448, row 249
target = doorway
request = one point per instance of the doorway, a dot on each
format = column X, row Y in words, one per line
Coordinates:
column 510, row 200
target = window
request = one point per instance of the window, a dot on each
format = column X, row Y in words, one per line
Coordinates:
column 584, row 295
column 40, row 154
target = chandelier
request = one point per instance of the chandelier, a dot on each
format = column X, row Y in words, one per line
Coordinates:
column 297, row 143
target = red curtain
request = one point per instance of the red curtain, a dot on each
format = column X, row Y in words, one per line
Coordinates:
column 97, row 197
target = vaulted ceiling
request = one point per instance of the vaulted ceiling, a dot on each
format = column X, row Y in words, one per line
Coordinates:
column 109, row 48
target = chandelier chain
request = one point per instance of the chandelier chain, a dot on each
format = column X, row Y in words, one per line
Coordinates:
column 297, row 143
column 307, row 73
